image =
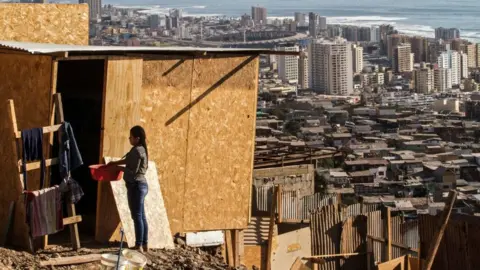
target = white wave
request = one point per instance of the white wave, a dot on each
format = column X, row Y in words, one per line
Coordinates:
column 196, row 15
column 280, row 18
column 199, row 7
column 351, row 19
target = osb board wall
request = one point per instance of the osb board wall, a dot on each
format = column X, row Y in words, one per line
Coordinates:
column 199, row 115
column 166, row 91
column 45, row 23
column 221, row 143
column 121, row 111
column 255, row 256
column 27, row 80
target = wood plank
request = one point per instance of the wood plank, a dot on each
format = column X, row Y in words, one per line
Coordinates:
column 47, row 129
column 52, row 23
column 270, row 229
column 72, row 260
column 388, row 233
column 72, row 220
column 437, row 239
column 236, row 248
column 333, row 255
column 120, row 111
column 37, row 164
column 298, row 265
column 74, row 236
column 229, row 245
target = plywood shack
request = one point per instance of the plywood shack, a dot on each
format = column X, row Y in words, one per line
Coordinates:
column 198, row 107
column 45, row 23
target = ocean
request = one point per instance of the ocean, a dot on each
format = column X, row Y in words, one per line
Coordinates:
column 413, row 17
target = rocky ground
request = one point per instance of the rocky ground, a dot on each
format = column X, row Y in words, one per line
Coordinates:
column 182, row 257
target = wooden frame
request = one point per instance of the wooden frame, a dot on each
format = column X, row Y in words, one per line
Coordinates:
column 72, row 219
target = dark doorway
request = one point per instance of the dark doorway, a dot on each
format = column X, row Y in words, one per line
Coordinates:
column 81, row 83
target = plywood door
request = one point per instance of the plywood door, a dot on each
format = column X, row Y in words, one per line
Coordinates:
column 221, row 143
column 121, row 111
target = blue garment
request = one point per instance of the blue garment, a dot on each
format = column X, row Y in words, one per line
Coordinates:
column 32, row 145
column 69, row 155
column 136, row 193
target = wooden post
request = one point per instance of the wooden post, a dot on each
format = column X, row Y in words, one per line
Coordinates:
column 387, row 234
column 437, row 239
column 278, row 197
column 229, row 246
column 419, row 255
column 270, row 229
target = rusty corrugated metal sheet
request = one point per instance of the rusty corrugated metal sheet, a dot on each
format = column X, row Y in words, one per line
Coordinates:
column 459, row 247
column 371, row 207
column 263, row 198
column 290, row 205
column 326, row 232
column 257, row 231
column 396, row 237
column 315, row 202
column 375, row 229
column 353, row 239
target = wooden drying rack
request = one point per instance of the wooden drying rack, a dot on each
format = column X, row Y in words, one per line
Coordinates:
column 72, row 220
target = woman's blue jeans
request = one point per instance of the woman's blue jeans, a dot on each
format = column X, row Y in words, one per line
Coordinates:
column 136, row 193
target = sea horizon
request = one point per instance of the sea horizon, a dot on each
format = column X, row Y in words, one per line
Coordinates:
column 421, row 20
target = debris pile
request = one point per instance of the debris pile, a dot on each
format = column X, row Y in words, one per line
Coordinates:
column 182, row 257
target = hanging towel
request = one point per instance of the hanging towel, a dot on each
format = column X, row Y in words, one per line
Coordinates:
column 44, row 211
column 32, row 144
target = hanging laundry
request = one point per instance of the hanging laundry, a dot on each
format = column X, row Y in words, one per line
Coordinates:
column 44, row 211
column 69, row 159
column 32, row 144
column 69, row 155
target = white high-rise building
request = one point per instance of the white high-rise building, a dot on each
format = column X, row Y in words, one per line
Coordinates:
column 451, row 60
column 375, row 34
column 357, row 58
column 464, row 65
column 331, row 66
column 288, row 65
column 443, row 79
column 402, row 60
column 301, row 19
column 303, row 71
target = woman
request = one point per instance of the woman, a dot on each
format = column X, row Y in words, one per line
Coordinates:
column 136, row 163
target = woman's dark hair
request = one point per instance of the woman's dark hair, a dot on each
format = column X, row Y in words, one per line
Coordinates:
column 139, row 132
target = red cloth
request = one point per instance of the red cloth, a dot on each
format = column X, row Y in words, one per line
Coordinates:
column 44, row 211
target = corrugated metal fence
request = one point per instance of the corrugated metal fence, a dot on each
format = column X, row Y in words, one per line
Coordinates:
column 336, row 230
column 459, row 248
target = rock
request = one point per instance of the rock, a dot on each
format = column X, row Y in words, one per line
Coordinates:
column 180, row 242
column 56, row 255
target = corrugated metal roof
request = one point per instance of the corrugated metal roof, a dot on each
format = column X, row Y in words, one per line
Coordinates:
column 43, row 48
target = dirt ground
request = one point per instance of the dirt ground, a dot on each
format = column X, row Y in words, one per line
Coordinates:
column 182, row 257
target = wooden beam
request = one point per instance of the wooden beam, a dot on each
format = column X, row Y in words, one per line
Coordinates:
column 388, row 234
column 399, row 245
column 47, row 129
column 332, row 255
column 37, row 164
column 72, row 260
column 279, row 203
column 229, row 246
column 270, row 228
column 437, row 239
column 72, row 220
